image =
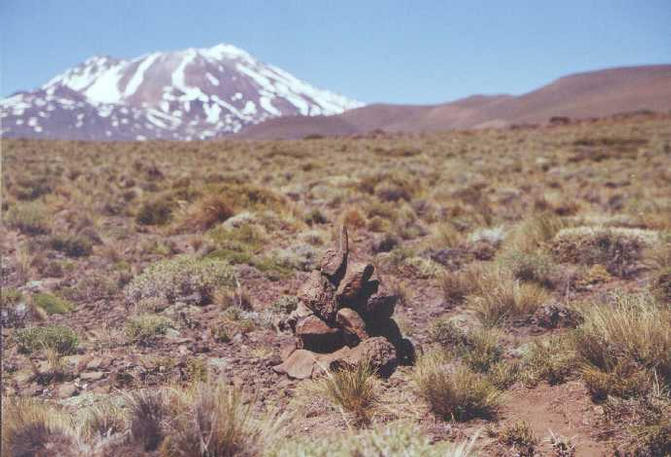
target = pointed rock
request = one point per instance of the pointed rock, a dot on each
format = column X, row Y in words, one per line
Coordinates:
column 334, row 262
column 319, row 296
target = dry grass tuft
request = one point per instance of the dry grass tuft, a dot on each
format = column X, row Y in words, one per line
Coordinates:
column 452, row 390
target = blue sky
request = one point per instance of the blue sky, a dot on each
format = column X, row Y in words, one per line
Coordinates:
column 391, row 51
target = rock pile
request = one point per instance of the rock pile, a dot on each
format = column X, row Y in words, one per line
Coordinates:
column 344, row 317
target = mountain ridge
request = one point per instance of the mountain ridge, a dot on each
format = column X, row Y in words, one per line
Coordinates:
column 581, row 95
column 196, row 93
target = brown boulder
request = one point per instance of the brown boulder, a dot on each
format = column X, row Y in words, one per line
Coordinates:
column 378, row 307
column 304, row 364
column 389, row 330
column 316, row 335
column 299, row 365
column 352, row 325
column 376, row 351
column 352, row 291
column 319, row 296
column 334, row 261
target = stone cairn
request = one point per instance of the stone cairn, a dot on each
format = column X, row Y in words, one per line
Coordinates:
column 344, row 317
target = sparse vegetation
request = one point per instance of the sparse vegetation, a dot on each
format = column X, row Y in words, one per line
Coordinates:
column 132, row 273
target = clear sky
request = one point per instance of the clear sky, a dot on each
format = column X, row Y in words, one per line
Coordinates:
column 409, row 51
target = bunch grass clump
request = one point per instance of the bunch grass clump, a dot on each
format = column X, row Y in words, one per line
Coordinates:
column 479, row 348
column 629, row 336
column 497, row 297
column 453, row 391
column 353, row 389
column 212, row 420
column 552, row 359
column 31, row 427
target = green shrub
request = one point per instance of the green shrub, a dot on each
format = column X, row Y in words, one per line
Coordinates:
column 183, row 278
column 52, row 304
column 28, row 218
column 452, row 390
column 71, row 245
column 144, row 328
column 58, row 338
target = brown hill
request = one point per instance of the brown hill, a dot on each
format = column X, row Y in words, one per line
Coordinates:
column 583, row 95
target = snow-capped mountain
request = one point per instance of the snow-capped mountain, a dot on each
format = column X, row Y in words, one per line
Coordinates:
column 181, row 95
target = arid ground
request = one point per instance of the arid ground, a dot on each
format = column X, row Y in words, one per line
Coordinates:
column 143, row 287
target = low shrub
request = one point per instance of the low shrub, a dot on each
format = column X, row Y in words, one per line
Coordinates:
column 453, row 391
column 52, row 304
column 144, row 328
column 59, row 338
column 618, row 249
column 183, row 278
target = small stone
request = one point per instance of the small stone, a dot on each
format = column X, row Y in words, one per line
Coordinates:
column 334, row 262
